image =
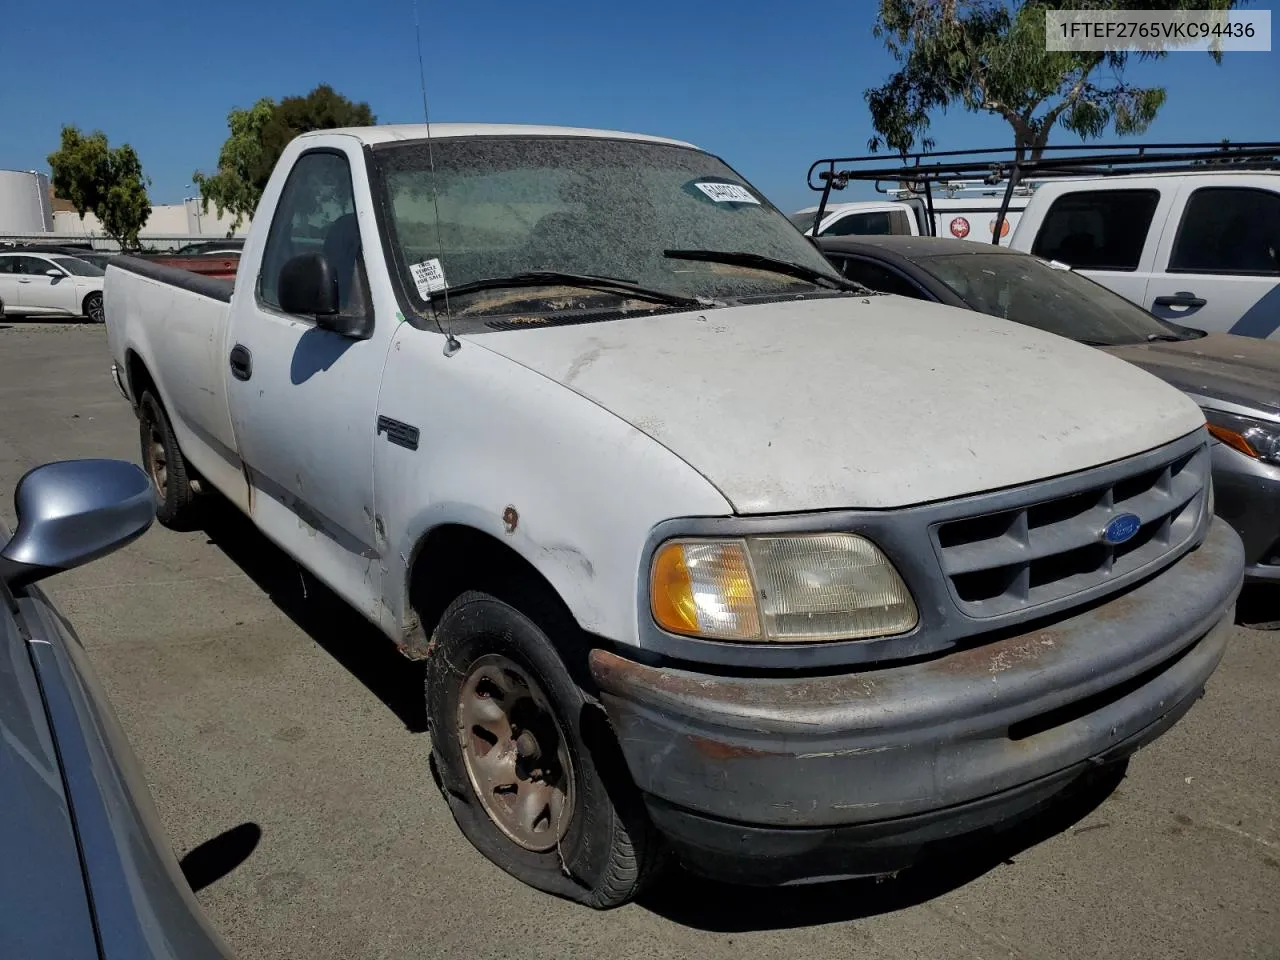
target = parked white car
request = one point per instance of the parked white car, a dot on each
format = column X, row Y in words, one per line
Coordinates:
column 39, row 284
column 1196, row 248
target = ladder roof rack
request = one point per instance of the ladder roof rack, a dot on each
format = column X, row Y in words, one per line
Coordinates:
column 918, row 173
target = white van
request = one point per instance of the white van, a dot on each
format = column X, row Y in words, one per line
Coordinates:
column 974, row 218
column 860, row 218
column 961, row 217
column 1196, row 248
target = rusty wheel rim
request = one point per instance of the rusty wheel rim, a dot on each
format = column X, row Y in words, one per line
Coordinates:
column 157, row 460
column 515, row 753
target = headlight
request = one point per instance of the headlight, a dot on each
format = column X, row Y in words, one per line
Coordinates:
column 1254, row 438
column 835, row 586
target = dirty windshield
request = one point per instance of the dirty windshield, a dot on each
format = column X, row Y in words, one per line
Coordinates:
column 1028, row 290
column 804, row 221
column 586, row 206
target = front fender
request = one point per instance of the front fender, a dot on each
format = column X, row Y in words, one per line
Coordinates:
column 584, row 486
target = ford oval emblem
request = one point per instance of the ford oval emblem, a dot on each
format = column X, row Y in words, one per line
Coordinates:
column 1121, row 528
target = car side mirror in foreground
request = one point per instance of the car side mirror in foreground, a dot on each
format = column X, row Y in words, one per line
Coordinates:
column 72, row 512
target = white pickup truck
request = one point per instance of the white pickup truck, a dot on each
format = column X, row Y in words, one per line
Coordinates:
column 707, row 549
column 1200, row 248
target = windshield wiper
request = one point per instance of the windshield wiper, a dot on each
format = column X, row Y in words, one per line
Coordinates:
column 548, row 278
column 741, row 258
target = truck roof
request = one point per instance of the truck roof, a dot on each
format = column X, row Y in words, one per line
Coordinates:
column 855, row 205
column 418, row 131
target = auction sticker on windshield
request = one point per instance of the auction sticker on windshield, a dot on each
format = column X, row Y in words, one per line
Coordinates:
column 428, row 277
column 727, row 192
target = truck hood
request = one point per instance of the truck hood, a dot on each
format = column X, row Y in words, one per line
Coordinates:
column 1220, row 366
column 857, row 402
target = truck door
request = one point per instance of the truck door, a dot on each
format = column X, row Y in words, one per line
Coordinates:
column 303, row 399
column 1218, row 265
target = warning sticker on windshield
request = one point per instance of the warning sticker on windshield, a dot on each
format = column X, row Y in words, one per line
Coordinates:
column 727, row 192
column 428, row 277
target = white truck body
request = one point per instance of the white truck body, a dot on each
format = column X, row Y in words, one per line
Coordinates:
column 859, row 218
column 569, row 443
column 1202, row 249
column 964, row 218
column 743, row 418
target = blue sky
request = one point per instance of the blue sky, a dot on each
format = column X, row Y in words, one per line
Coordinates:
column 768, row 86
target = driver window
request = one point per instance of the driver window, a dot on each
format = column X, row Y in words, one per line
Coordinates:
column 316, row 214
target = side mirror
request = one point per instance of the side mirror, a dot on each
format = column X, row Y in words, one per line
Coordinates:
column 308, row 285
column 55, row 273
column 72, row 512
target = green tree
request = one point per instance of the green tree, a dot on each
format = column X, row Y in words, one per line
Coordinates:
column 259, row 135
column 107, row 183
column 989, row 56
column 237, row 184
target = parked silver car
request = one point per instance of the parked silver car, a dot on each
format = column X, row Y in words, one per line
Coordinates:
column 86, row 870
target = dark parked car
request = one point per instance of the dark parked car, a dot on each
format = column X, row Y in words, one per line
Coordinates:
column 85, row 870
column 1235, row 380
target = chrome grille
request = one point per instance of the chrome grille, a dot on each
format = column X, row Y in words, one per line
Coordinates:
column 1045, row 550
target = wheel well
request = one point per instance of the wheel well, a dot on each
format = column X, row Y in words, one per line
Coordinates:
column 452, row 559
column 91, row 293
column 140, row 378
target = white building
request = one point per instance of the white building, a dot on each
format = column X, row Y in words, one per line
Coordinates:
column 28, row 211
column 25, row 206
column 185, row 219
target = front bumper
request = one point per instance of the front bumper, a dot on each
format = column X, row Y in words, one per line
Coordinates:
column 1247, row 496
column 788, row 778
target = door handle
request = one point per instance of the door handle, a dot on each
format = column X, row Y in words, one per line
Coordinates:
column 241, row 362
column 24, row 281
column 1183, row 298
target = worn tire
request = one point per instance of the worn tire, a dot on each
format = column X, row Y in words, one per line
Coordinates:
column 92, row 308
column 176, row 506
column 609, row 849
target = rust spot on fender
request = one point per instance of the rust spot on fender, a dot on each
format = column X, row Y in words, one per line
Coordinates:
column 717, row 750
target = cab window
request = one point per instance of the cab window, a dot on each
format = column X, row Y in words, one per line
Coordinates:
column 316, row 214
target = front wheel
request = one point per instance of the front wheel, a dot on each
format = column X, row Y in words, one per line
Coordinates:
column 93, row 308
column 526, row 760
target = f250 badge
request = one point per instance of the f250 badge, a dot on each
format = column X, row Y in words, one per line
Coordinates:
column 1121, row 528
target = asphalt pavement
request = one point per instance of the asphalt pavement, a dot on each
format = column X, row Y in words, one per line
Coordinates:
column 283, row 740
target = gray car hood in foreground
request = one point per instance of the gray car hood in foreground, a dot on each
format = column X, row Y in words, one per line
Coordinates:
column 857, row 402
column 1220, row 366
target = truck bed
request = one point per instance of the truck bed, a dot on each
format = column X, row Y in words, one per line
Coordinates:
column 217, row 285
column 179, row 321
